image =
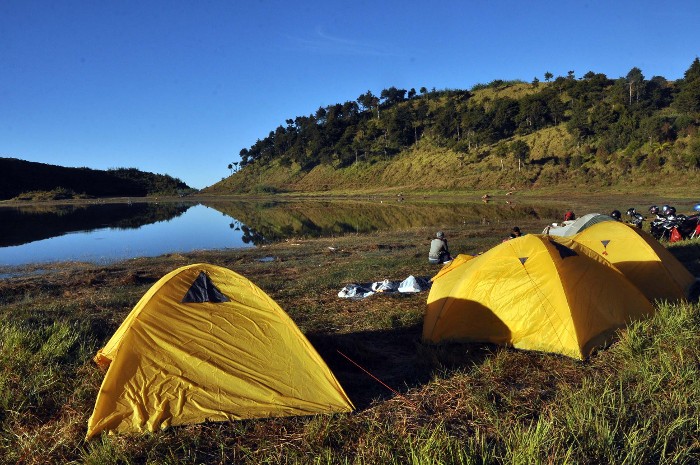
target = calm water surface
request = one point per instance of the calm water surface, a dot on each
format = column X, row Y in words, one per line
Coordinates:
column 105, row 233
column 196, row 227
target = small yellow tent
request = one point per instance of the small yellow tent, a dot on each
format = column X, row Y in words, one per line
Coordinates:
column 206, row 344
column 640, row 257
column 532, row 293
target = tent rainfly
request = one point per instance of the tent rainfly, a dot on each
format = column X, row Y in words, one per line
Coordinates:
column 577, row 225
column 532, row 293
column 206, row 344
column 641, row 258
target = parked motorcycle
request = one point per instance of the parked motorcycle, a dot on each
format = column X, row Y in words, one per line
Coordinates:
column 635, row 218
column 674, row 227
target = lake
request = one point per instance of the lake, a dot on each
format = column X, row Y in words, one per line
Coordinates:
column 107, row 232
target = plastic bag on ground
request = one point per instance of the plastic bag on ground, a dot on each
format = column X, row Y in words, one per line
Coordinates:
column 354, row 291
column 413, row 284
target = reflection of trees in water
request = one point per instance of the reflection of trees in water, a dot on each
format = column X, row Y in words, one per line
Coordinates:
column 274, row 221
column 248, row 235
column 150, row 213
column 23, row 225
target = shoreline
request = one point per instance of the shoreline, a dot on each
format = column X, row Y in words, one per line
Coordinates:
column 543, row 194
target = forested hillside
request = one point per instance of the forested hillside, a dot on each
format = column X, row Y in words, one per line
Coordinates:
column 583, row 130
column 19, row 178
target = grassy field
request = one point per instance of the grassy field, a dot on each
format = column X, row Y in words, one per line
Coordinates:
column 637, row 401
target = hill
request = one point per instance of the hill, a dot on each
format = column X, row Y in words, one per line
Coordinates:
column 25, row 179
column 591, row 131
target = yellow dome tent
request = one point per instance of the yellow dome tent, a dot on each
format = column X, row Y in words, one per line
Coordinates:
column 456, row 262
column 532, row 293
column 640, row 257
column 206, row 344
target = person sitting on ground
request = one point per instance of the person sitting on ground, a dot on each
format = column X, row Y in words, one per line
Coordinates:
column 439, row 253
column 515, row 232
column 569, row 216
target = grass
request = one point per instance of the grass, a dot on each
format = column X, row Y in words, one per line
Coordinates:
column 637, row 401
column 59, row 193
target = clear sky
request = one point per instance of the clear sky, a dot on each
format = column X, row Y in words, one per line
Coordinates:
column 180, row 87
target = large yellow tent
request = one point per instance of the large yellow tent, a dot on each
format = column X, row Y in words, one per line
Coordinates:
column 532, row 293
column 640, row 257
column 206, row 344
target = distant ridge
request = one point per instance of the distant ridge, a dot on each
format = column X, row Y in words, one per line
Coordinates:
column 19, row 177
column 592, row 131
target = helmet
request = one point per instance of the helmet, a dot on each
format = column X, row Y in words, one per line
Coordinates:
column 664, row 209
column 655, row 210
column 616, row 214
column 671, row 211
column 440, row 234
column 696, row 207
column 631, row 211
column 569, row 216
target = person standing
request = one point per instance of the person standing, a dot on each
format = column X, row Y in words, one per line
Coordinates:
column 439, row 252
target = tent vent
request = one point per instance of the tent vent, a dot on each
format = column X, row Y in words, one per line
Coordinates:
column 203, row 290
column 522, row 260
column 564, row 251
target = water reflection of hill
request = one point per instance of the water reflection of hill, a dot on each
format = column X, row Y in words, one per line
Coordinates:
column 22, row 225
column 273, row 221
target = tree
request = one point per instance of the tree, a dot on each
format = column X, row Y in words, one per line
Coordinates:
column 230, row 167
column 321, row 114
column 399, row 125
column 601, row 117
column 474, row 120
column 501, row 150
column 366, row 100
column 635, row 79
column 555, row 107
column 693, row 72
column 532, row 113
column 244, row 154
column 548, row 76
column 578, row 123
column 502, row 117
column 446, row 123
column 421, row 113
column 688, row 99
column 520, row 150
column 392, row 95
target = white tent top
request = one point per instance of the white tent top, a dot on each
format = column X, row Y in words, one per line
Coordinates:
column 569, row 228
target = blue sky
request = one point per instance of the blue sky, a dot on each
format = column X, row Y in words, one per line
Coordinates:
column 179, row 88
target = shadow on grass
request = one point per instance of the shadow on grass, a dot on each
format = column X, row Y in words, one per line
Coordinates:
column 395, row 356
column 688, row 253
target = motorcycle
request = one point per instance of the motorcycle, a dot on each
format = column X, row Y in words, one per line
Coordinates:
column 636, row 218
column 674, row 227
